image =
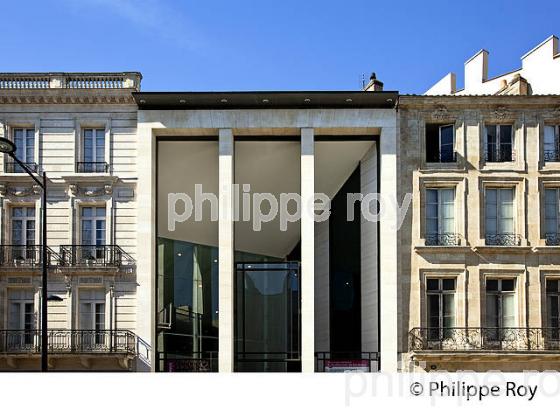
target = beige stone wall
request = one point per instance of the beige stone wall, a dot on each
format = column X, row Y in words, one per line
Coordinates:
column 472, row 261
column 58, row 116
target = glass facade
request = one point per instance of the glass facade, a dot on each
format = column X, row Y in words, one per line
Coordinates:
column 267, row 317
column 187, row 306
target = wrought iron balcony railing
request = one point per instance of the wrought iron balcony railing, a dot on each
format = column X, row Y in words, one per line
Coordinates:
column 498, row 155
column 552, row 239
column 92, row 167
column 552, row 156
column 484, row 338
column 12, row 167
column 503, row 239
column 28, row 256
column 444, row 239
column 68, row 341
column 95, row 256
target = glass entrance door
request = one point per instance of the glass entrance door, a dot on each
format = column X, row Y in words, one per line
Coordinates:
column 267, row 317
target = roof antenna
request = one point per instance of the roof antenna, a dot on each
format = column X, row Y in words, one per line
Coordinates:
column 363, row 81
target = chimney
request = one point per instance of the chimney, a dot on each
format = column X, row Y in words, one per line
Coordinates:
column 374, row 84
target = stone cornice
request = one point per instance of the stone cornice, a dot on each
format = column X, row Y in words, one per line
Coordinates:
column 434, row 104
column 65, row 96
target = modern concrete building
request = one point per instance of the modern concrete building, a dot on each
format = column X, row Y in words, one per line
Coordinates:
column 189, row 231
column 231, row 296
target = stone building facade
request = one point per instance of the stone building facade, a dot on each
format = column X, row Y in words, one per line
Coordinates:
column 81, row 130
column 479, row 255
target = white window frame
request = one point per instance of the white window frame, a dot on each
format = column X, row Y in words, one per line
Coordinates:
column 498, row 212
column 23, row 150
column 557, row 216
column 25, row 220
column 439, row 204
column 93, row 219
column 441, row 292
column 500, row 292
column 556, row 142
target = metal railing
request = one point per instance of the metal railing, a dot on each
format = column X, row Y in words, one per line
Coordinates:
column 28, row 256
column 498, row 155
column 68, row 341
column 338, row 362
column 552, row 156
column 92, row 167
column 287, row 361
column 484, row 338
column 13, row 168
column 552, row 239
column 94, row 256
column 503, row 239
column 444, row 239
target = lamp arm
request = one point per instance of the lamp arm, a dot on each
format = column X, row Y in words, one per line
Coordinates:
column 27, row 169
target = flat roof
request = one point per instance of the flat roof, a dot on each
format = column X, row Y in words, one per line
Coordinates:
column 264, row 100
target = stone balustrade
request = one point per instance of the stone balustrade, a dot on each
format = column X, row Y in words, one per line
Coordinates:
column 128, row 80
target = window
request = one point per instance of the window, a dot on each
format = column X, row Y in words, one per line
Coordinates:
column 499, row 143
column 551, row 219
column 93, row 159
column 441, row 307
column 24, row 140
column 23, row 233
column 500, row 307
column 440, row 217
column 553, row 308
column 92, row 316
column 440, row 143
column 21, row 318
column 551, row 143
column 92, row 232
column 499, row 213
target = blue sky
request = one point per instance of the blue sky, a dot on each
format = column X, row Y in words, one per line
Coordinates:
column 215, row 45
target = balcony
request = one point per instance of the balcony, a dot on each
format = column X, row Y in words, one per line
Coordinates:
column 68, row 341
column 12, row 167
column 26, row 256
column 500, row 156
column 552, row 156
column 503, row 239
column 458, row 339
column 92, row 167
column 445, row 239
column 95, row 256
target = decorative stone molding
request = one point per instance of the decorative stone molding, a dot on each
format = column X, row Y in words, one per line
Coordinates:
column 501, row 113
column 3, row 189
column 68, row 99
column 441, row 113
column 89, row 191
column 72, row 189
column 20, row 192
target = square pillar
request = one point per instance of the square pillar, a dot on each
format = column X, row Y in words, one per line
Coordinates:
column 225, row 253
column 388, row 248
column 307, row 251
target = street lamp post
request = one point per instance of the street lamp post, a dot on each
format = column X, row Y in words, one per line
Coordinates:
column 9, row 148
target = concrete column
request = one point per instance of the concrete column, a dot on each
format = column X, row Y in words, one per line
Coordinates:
column 368, row 251
column 388, row 249
column 146, row 274
column 225, row 252
column 307, row 251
